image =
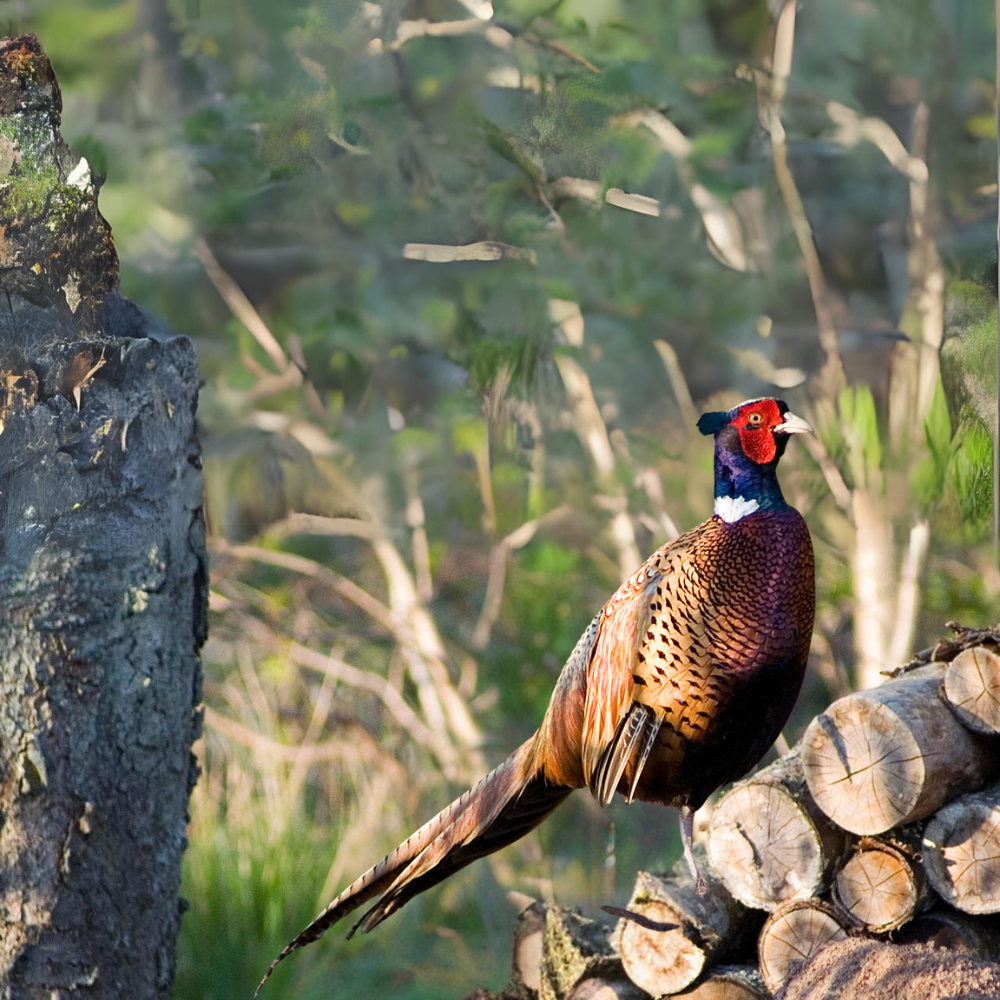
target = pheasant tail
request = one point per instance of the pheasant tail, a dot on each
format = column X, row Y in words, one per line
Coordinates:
column 505, row 805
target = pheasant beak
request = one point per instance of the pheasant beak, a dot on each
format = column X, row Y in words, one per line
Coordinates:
column 792, row 424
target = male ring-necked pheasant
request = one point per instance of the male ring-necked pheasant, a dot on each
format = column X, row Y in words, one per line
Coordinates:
column 679, row 685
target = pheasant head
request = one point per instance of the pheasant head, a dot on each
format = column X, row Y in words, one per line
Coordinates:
column 749, row 441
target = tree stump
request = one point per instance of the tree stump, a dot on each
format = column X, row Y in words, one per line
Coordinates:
column 972, row 688
column 707, row 928
column 880, row 887
column 962, row 852
column 793, row 933
column 768, row 841
column 894, row 754
column 102, row 581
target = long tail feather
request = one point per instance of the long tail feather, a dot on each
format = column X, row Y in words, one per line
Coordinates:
column 501, row 808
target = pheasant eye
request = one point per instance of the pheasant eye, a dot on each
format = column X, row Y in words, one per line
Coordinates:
column 754, row 419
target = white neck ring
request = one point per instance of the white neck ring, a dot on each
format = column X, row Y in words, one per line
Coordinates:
column 732, row 509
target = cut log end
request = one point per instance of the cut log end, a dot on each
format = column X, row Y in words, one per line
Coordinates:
column 962, row 852
column 877, row 888
column 793, row 933
column 764, row 846
column 892, row 755
column 972, row 687
column 659, row 961
column 706, row 929
column 863, row 766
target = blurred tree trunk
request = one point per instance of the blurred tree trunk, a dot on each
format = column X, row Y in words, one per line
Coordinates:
column 102, row 579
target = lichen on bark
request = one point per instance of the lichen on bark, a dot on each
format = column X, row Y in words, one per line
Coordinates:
column 54, row 242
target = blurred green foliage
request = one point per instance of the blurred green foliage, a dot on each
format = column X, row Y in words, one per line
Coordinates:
column 307, row 144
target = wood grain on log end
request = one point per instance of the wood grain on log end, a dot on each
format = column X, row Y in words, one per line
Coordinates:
column 793, row 933
column 879, row 888
column 602, row 988
column 962, row 852
column 710, row 928
column 529, row 939
column 733, row 982
column 768, row 841
column 891, row 755
column 972, row 688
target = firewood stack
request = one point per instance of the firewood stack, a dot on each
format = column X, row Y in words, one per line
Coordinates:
column 882, row 823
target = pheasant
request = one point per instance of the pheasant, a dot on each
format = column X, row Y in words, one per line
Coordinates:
column 679, row 685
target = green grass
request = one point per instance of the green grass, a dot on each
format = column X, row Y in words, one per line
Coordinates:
column 251, row 888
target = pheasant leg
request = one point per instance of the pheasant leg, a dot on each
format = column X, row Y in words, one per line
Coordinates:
column 687, row 837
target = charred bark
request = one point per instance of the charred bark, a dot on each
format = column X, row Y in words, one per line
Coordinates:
column 102, row 583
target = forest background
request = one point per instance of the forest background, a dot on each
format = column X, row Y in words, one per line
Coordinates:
column 461, row 277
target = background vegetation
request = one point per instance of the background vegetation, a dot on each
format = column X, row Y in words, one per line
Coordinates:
column 428, row 466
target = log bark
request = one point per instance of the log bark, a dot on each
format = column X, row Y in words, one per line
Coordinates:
column 556, row 950
column 708, row 928
column 880, row 887
column 102, row 579
column 792, row 934
column 768, row 841
column 948, row 928
column 962, row 852
column 891, row 755
column 972, row 688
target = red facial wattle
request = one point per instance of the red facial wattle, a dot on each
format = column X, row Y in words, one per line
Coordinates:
column 757, row 439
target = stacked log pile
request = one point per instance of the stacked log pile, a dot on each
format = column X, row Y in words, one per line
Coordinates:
column 883, row 823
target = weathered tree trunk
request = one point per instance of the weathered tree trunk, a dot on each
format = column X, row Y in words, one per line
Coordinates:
column 892, row 755
column 102, row 582
column 793, row 933
column 703, row 929
column 972, row 687
column 962, row 851
column 768, row 840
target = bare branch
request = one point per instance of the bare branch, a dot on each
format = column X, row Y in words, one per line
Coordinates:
column 677, row 382
column 722, row 226
column 834, row 480
column 488, row 250
column 908, row 595
column 242, row 308
column 422, row 28
column 499, row 561
column 576, row 187
column 770, row 96
column 852, row 128
column 341, row 585
column 265, row 746
column 423, row 651
column 593, row 433
column 415, row 518
column 364, row 680
column 639, row 203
